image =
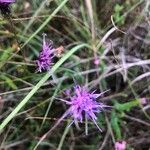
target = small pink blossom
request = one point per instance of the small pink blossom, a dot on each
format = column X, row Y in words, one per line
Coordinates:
column 143, row 101
column 120, row 145
column 96, row 61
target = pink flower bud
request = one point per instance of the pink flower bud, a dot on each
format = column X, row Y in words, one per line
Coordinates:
column 96, row 61
column 120, row 145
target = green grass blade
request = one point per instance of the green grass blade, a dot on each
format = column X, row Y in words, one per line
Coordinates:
column 34, row 16
column 64, row 135
column 45, row 22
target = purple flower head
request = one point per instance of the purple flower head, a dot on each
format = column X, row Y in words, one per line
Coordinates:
column 4, row 6
column 83, row 105
column 7, row 1
column 46, row 55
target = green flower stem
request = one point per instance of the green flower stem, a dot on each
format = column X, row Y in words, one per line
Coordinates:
column 64, row 135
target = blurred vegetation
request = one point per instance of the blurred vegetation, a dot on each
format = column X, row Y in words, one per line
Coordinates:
column 115, row 32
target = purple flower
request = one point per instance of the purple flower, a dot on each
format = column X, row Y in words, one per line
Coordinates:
column 143, row 100
column 4, row 6
column 96, row 61
column 7, row 1
column 46, row 55
column 83, row 105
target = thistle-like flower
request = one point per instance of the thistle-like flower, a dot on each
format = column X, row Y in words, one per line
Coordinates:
column 46, row 56
column 83, row 105
column 4, row 6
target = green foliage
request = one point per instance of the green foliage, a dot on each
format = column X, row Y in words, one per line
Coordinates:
column 115, row 123
column 8, row 81
column 118, row 17
column 126, row 106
